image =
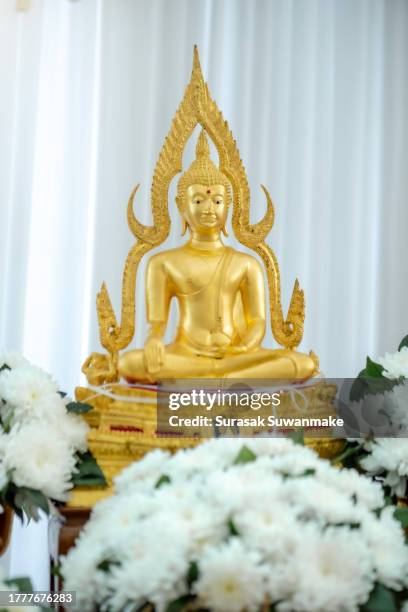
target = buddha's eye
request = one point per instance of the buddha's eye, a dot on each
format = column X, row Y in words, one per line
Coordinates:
column 218, row 201
column 197, row 200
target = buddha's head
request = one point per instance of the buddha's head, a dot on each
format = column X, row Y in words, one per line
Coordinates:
column 203, row 193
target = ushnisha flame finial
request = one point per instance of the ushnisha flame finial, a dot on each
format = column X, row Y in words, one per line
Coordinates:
column 202, row 148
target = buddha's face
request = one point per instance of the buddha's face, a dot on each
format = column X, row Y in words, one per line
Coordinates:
column 205, row 208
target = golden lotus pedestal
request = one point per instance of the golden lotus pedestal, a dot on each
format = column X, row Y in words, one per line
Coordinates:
column 123, row 426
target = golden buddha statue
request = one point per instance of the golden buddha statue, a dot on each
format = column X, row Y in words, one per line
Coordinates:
column 220, row 291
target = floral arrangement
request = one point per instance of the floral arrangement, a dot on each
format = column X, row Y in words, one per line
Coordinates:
column 380, row 403
column 43, row 440
column 227, row 527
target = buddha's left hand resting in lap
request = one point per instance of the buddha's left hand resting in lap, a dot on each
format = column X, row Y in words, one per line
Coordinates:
column 220, row 294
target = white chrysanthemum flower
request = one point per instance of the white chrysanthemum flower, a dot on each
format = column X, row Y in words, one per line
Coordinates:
column 150, row 466
column 323, row 503
column 162, row 582
column 386, row 542
column 389, row 455
column 40, row 462
column 202, row 525
column 13, row 359
column 231, row 578
column 366, row 492
column 186, row 463
column 333, row 569
column 226, row 490
column 395, row 364
column 81, row 574
column 225, row 454
column 268, row 529
column 129, row 507
column 398, row 409
column 74, row 429
column 295, row 465
column 31, row 392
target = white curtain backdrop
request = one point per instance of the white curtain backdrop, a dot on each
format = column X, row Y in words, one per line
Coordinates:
column 316, row 94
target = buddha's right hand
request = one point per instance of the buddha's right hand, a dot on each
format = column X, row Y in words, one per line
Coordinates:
column 154, row 355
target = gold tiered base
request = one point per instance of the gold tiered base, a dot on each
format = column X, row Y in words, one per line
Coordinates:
column 124, row 428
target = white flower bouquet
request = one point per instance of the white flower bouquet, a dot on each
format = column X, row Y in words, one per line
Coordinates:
column 380, row 398
column 43, row 440
column 227, row 528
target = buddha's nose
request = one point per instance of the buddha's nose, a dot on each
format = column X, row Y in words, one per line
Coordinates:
column 208, row 205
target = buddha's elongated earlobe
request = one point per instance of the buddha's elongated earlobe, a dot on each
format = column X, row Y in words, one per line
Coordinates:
column 184, row 226
column 224, row 231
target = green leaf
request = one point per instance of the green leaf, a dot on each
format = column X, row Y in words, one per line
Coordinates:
column 245, row 455
column 18, row 512
column 55, row 570
column 359, row 388
column 373, row 369
column 39, row 499
column 89, row 481
column 298, row 437
column 6, row 423
column 164, row 479
column 78, row 407
column 371, row 381
column 232, row 528
column 30, row 501
column 88, row 474
column 192, row 574
column 348, row 525
column 404, row 342
column 349, row 451
column 106, row 565
column 62, row 394
column 363, row 384
column 401, row 514
column 308, row 472
column 179, row 604
column 4, row 367
column 23, row 584
column 381, row 600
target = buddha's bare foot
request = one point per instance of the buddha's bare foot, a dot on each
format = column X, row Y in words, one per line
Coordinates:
column 100, row 369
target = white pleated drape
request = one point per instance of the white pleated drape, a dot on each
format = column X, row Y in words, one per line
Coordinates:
column 316, row 94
